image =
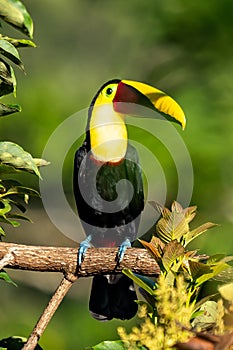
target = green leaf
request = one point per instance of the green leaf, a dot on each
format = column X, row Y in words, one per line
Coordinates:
column 5, row 220
column 203, row 301
column 190, row 213
column 14, row 155
column 215, row 258
column 14, row 82
column 2, row 232
column 4, row 276
column 7, row 79
column 21, row 190
column 19, row 42
column 8, row 50
column 208, row 316
column 8, row 183
column 214, row 271
column 18, row 205
column 40, row 162
column 110, row 345
column 141, row 281
column 198, row 231
column 173, row 224
column 5, row 206
column 15, row 13
column 7, row 169
column 19, row 216
column 150, row 300
column 6, row 215
column 172, row 251
column 198, row 269
column 9, row 109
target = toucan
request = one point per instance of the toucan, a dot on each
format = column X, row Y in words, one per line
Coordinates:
column 108, row 186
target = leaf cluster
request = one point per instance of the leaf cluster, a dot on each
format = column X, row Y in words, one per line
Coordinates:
column 168, row 247
column 11, row 191
column 13, row 158
column 171, row 311
column 14, row 13
column 165, row 331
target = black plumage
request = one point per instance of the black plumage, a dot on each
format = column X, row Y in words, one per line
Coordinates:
column 109, row 209
column 111, row 297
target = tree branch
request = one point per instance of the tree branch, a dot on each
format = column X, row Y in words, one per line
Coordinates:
column 49, row 311
column 64, row 259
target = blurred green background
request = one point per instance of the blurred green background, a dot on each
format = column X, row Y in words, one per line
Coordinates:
column 182, row 47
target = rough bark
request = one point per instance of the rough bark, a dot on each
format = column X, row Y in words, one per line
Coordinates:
column 63, row 259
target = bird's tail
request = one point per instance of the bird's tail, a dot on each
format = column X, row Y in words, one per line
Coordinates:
column 112, row 296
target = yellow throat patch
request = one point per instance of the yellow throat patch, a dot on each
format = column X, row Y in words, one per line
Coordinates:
column 108, row 134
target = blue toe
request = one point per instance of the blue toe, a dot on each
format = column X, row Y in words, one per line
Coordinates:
column 124, row 245
column 84, row 245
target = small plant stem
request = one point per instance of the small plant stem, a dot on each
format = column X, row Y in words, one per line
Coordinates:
column 49, row 311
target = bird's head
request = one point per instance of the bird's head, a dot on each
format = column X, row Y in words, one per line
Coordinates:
column 125, row 95
column 116, row 99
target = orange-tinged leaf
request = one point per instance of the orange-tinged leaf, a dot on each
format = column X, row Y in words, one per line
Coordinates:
column 156, row 241
column 153, row 250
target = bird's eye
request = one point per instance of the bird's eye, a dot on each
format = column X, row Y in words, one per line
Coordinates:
column 109, row 91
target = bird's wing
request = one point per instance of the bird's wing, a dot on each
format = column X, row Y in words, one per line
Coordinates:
column 134, row 174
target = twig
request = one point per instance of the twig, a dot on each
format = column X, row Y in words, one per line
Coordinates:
column 49, row 311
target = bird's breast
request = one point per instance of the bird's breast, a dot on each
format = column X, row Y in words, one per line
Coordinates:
column 108, row 134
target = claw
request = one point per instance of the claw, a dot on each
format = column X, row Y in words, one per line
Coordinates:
column 124, row 245
column 84, row 245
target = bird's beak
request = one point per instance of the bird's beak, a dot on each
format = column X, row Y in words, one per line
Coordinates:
column 132, row 92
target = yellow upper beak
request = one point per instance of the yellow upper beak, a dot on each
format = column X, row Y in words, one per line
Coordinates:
column 162, row 102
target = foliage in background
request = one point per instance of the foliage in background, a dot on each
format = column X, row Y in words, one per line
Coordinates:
column 184, row 48
column 13, row 158
column 172, row 310
column 14, row 13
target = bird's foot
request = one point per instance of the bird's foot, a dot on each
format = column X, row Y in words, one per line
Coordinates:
column 124, row 245
column 84, row 245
